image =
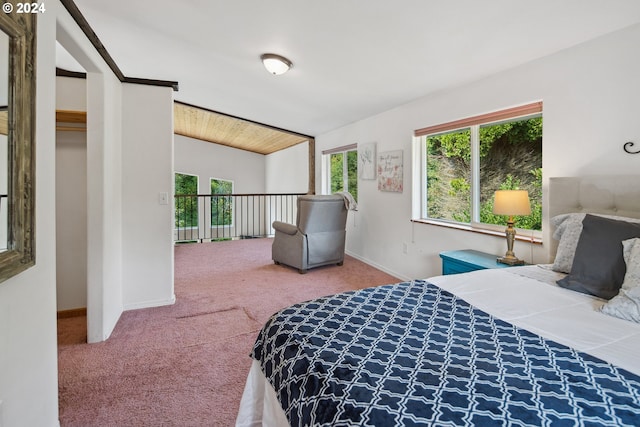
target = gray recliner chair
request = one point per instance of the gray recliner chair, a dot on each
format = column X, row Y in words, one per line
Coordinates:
column 318, row 237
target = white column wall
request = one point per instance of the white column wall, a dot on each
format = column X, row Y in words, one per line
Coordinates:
column 590, row 94
column 147, row 249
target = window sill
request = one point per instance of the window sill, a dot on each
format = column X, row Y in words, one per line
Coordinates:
column 464, row 227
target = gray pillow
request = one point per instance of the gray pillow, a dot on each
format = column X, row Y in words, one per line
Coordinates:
column 567, row 229
column 598, row 265
column 626, row 305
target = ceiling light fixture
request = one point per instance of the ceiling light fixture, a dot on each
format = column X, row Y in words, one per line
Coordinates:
column 275, row 64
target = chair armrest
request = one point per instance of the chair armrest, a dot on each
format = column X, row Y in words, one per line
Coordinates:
column 283, row 227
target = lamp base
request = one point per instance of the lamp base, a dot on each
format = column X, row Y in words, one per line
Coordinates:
column 510, row 260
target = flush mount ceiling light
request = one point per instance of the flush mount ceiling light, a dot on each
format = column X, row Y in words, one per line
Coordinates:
column 275, row 64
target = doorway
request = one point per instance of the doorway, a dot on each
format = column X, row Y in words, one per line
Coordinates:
column 71, row 188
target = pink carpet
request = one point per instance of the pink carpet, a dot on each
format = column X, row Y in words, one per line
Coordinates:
column 186, row 364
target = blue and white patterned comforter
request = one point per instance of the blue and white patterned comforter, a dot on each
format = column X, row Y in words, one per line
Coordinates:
column 414, row 354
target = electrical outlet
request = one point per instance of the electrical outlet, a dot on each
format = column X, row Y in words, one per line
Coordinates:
column 405, row 248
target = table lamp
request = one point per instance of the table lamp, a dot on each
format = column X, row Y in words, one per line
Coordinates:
column 511, row 202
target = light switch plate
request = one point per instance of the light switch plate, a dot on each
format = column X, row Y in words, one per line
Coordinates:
column 163, row 198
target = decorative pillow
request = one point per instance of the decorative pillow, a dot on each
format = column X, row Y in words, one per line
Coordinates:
column 598, row 266
column 626, row 305
column 567, row 231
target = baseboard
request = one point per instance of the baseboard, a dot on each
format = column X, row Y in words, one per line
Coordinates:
column 150, row 304
column 74, row 312
column 378, row 266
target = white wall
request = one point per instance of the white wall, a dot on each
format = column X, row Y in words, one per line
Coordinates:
column 207, row 160
column 287, row 171
column 104, row 207
column 28, row 355
column 71, row 220
column 590, row 94
column 71, row 94
column 147, row 153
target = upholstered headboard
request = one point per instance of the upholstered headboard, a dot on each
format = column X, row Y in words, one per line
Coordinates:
column 607, row 194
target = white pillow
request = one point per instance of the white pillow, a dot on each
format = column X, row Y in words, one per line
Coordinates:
column 626, row 305
column 568, row 228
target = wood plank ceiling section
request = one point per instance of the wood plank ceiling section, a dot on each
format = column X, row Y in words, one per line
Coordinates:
column 231, row 131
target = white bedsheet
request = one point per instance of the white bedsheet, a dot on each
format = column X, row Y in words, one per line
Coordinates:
column 524, row 296
column 540, row 306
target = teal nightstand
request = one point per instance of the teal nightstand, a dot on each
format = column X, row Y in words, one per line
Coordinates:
column 466, row 260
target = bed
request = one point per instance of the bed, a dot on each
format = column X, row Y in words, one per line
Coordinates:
column 552, row 344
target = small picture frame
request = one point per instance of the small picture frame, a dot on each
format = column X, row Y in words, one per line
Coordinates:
column 367, row 160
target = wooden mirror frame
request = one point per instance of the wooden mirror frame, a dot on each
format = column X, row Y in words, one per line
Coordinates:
column 20, row 253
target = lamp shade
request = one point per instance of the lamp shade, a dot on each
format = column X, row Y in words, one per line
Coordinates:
column 275, row 64
column 511, row 202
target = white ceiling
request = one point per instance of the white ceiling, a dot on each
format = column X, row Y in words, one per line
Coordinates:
column 352, row 58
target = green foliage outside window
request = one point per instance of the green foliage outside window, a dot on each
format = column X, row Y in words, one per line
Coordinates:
column 186, row 207
column 338, row 173
column 510, row 157
column 221, row 202
column 352, row 173
column 337, row 168
column 449, row 176
column 528, row 222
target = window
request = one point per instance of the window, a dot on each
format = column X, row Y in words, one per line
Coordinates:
column 186, row 209
column 221, row 202
column 342, row 170
column 464, row 162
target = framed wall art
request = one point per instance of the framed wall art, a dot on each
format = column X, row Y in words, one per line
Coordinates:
column 390, row 171
column 367, row 160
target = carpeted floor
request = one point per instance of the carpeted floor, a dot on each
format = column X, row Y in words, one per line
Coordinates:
column 186, row 364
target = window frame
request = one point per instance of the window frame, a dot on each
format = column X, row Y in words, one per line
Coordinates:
column 419, row 178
